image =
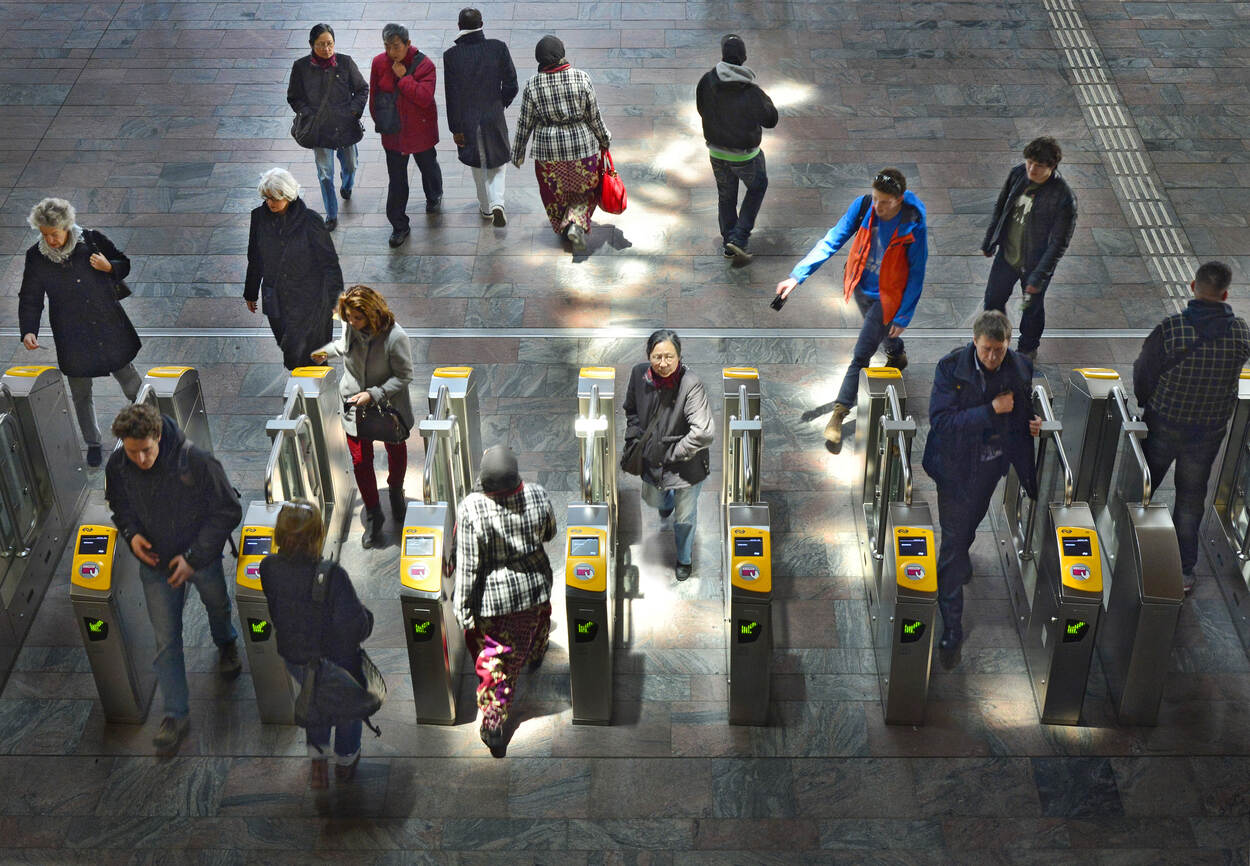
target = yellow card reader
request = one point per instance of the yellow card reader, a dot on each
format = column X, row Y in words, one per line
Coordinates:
column 751, row 560
column 255, row 543
column 915, row 559
column 93, row 557
column 1079, row 563
column 421, row 558
column 586, row 566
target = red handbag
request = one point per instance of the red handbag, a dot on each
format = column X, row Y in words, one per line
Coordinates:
column 612, row 198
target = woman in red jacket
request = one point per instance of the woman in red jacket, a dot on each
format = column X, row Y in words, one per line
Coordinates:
column 404, row 75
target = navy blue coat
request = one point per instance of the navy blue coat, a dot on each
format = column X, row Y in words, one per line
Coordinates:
column 305, row 632
column 479, row 81
column 960, row 417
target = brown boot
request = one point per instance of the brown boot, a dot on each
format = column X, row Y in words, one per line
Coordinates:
column 833, row 430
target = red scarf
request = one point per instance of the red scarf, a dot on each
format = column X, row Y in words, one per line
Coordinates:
column 665, row 382
column 325, row 64
column 560, row 68
column 504, row 494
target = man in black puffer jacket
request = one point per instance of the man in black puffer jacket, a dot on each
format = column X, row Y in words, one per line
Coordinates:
column 175, row 508
column 734, row 109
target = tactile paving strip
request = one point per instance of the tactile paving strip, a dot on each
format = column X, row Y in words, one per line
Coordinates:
column 1139, row 189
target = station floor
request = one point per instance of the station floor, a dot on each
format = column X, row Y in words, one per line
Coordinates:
column 155, row 119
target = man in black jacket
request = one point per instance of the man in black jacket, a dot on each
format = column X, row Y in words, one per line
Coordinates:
column 1031, row 228
column 734, row 109
column 1186, row 380
column 174, row 506
column 479, row 81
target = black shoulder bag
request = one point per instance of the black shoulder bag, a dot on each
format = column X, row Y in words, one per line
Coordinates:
column 329, row 694
column 386, row 103
column 632, row 462
column 304, row 126
column 120, row 289
column 381, row 423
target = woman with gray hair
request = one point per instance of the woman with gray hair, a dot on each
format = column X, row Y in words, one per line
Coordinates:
column 292, row 267
column 78, row 271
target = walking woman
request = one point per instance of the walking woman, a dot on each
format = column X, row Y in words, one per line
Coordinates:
column 503, row 584
column 292, row 267
column 328, row 95
column 559, row 109
column 377, row 369
column 665, row 392
column 78, row 271
column 307, row 630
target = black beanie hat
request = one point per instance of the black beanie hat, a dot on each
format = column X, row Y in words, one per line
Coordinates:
column 733, row 49
column 499, row 472
column 548, row 52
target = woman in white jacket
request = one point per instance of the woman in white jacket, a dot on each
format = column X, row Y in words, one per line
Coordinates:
column 377, row 368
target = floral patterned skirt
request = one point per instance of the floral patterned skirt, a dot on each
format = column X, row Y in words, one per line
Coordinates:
column 502, row 646
column 569, row 190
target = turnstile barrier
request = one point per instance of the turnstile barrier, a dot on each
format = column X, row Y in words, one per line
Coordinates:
column 275, row 690
column 111, row 612
column 450, row 468
column 747, row 550
column 175, row 391
column 590, row 551
column 43, row 486
column 1225, row 530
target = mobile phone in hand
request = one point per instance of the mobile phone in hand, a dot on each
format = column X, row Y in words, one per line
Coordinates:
column 778, row 302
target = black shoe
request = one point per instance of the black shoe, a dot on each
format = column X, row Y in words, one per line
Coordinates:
column 727, row 252
column 434, row 205
column 500, row 218
column 399, row 505
column 683, row 570
column 898, row 362
column 666, row 513
column 577, row 237
column 228, row 664
column 494, row 740
column 346, row 194
column 170, row 736
column 949, row 646
column 535, row 664
column 332, row 224
column 373, row 536
column 398, row 237
column 94, row 455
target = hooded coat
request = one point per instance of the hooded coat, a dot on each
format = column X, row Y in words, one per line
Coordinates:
column 677, row 455
column 293, row 267
column 93, row 334
column 479, row 81
column 305, row 629
column 734, row 109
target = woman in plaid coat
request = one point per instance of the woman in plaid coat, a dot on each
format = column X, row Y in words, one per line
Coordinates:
column 558, row 108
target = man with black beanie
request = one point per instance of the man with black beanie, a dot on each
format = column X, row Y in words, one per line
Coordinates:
column 734, row 111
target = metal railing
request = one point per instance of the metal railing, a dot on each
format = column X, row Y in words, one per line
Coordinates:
column 588, row 447
column 894, row 438
column 288, row 431
column 443, row 444
column 1134, row 430
column 744, row 440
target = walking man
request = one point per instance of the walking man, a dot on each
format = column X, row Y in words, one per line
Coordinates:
column 884, row 273
column 734, row 111
column 408, row 77
column 174, row 506
column 479, row 81
column 1185, row 380
column 1030, row 230
column 980, row 421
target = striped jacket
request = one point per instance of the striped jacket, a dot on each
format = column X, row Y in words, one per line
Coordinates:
column 499, row 542
column 560, row 111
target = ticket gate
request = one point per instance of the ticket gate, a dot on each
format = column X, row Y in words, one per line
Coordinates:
column 176, row 392
column 1225, row 529
column 427, row 573
column 111, row 613
column 898, row 548
column 590, row 551
column 1143, row 599
column 43, row 486
column 747, row 550
column 307, row 460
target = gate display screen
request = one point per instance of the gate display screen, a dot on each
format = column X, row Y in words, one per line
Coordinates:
column 1077, row 547
column 256, row 545
column 908, row 546
column 93, row 545
column 750, row 546
column 584, row 545
column 419, row 545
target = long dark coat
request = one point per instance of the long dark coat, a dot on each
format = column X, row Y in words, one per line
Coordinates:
column 94, row 336
column 480, row 82
column 293, row 267
column 340, row 125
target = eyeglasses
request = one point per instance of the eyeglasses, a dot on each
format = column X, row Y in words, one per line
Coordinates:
column 888, row 183
column 659, row 359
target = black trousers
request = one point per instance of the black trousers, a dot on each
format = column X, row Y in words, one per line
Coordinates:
column 397, row 188
column 998, row 289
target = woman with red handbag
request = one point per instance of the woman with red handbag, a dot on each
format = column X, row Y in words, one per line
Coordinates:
column 558, row 108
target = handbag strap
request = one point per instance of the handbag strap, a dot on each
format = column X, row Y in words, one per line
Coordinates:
column 1179, row 358
column 606, row 155
column 325, row 95
column 320, row 588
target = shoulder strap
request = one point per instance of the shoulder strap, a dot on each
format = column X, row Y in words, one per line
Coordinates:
column 325, row 94
column 863, row 209
column 1179, row 358
column 320, row 583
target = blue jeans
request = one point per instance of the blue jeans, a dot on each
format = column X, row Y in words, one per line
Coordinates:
column 165, row 605
column 1194, row 454
column 872, row 334
column 325, row 174
column 346, row 737
column 998, row 289
column 961, row 508
column 684, row 503
column 736, row 224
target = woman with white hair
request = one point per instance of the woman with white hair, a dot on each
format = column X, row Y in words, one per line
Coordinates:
column 78, row 270
column 292, row 267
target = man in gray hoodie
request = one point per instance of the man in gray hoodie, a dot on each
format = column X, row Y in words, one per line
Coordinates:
column 735, row 111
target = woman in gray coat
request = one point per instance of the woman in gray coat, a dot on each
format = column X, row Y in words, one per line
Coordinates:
column 675, row 455
column 377, row 368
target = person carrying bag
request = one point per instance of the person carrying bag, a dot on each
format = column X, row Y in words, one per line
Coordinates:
column 320, row 624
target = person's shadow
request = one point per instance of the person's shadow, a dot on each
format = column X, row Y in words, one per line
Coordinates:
column 600, row 236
